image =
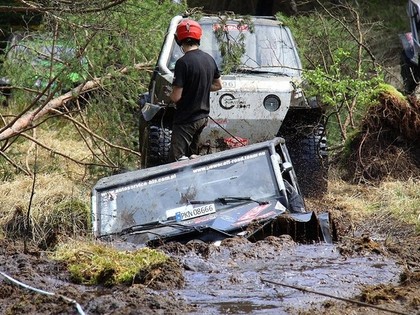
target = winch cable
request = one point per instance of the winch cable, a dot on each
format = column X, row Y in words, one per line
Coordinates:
column 78, row 307
column 334, row 297
column 223, row 128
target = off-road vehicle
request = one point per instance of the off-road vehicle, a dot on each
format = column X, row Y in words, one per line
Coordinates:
column 261, row 98
column 410, row 68
column 32, row 60
column 249, row 191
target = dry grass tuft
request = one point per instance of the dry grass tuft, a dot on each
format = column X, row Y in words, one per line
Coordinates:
column 392, row 207
column 59, row 208
column 49, row 159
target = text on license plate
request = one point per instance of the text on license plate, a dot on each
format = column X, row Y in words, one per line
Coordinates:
column 188, row 213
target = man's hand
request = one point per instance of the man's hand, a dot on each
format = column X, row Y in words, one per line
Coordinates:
column 176, row 94
column 216, row 85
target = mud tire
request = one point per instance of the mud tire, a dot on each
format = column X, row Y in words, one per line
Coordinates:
column 156, row 142
column 307, row 146
column 313, row 162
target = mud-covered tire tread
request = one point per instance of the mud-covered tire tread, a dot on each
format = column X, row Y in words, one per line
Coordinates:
column 312, row 170
column 309, row 155
column 155, row 146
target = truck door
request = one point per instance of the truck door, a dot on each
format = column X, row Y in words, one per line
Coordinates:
column 414, row 14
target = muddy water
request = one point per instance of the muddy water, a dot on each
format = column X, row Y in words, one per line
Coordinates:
column 228, row 278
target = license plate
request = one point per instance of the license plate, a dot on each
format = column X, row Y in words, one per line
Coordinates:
column 189, row 213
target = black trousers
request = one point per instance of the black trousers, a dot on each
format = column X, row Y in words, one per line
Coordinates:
column 186, row 138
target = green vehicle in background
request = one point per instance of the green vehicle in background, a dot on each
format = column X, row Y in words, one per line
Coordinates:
column 40, row 66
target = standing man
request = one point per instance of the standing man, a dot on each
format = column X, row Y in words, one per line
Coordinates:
column 196, row 75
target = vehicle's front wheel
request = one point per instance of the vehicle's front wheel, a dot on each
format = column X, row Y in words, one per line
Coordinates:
column 155, row 146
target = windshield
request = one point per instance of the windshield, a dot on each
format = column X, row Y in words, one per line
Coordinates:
column 46, row 60
column 268, row 48
column 37, row 54
column 161, row 198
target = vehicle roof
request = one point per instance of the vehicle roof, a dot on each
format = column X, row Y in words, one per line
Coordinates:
column 36, row 40
column 124, row 178
column 261, row 20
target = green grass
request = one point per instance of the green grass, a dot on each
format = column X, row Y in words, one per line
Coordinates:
column 391, row 199
column 401, row 199
column 95, row 263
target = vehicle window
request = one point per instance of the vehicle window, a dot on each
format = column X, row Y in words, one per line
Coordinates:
column 249, row 175
column 46, row 59
column 268, row 49
column 37, row 52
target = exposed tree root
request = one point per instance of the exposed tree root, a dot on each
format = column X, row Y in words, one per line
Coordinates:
column 388, row 145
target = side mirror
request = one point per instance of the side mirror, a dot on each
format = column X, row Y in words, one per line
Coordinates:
column 286, row 167
column 149, row 111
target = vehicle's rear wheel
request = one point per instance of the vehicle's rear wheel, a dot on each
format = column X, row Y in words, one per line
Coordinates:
column 307, row 146
column 309, row 157
column 155, row 146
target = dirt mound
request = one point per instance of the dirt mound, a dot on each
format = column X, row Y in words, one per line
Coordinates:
column 388, row 145
column 360, row 246
column 164, row 276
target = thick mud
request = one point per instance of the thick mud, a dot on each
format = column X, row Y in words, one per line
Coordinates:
column 44, row 288
column 365, row 269
column 272, row 276
column 239, row 277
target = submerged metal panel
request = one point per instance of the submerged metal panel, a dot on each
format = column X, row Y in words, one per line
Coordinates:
column 116, row 200
column 302, row 227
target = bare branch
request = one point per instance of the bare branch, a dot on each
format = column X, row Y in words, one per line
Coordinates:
column 64, row 6
column 358, row 40
column 24, row 122
column 13, row 163
column 85, row 139
column 95, row 135
column 62, row 154
column 31, row 198
column 12, row 9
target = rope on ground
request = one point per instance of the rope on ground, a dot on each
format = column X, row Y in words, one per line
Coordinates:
column 333, row 297
column 79, row 308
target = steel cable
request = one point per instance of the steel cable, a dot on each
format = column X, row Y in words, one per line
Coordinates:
column 79, row 308
column 333, row 297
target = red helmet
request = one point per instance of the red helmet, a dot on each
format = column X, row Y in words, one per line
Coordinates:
column 188, row 29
